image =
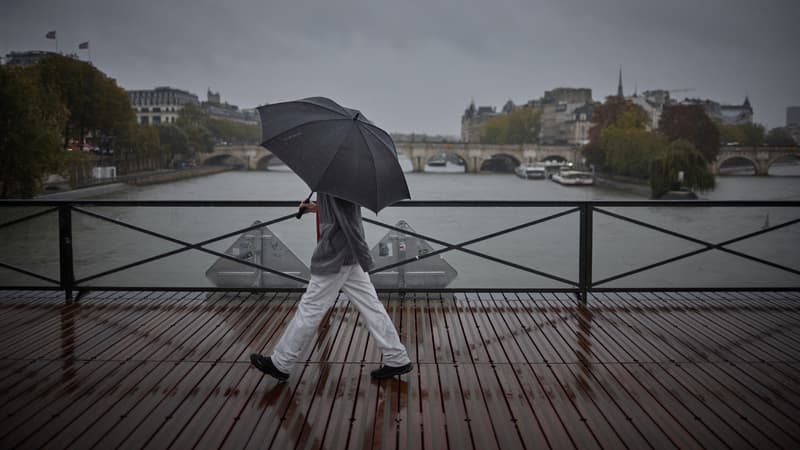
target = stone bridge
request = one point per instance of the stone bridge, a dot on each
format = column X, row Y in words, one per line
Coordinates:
column 254, row 157
column 760, row 157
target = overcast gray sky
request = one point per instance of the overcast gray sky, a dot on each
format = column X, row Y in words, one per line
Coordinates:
column 414, row 65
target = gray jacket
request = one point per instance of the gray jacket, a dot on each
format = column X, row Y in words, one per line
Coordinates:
column 341, row 240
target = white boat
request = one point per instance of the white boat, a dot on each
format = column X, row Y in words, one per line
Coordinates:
column 530, row 172
column 574, row 178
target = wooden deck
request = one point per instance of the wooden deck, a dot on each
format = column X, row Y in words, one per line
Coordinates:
column 509, row 371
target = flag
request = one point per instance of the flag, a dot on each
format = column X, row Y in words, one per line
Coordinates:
column 84, row 45
column 51, row 35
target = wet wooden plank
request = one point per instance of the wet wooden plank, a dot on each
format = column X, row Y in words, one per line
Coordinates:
column 193, row 395
column 364, row 395
column 283, row 427
column 222, row 404
column 688, row 351
column 440, row 329
column 749, row 419
column 164, row 396
column 155, row 377
column 429, row 420
column 239, row 404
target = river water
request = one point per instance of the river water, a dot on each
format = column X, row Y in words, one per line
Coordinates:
column 550, row 247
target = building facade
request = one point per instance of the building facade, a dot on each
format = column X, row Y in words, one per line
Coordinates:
column 566, row 116
column 214, row 107
column 30, row 57
column 160, row 105
column 472, row 121
column 793, row 116
column 725, row 114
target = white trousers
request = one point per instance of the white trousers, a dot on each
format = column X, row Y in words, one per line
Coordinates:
column 318, row 298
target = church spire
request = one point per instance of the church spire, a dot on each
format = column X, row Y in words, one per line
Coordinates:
column 619, row 85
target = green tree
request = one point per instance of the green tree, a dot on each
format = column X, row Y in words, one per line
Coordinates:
column 779, row 137
column 731, row 134
column 174, row 140
column 746, row 134
column 521, row 126
column 194, row 122
column 96, row 105
column 691, row 123
column 616, row 112
column 31, row 119
column 628, row 151
column 753, row 134
column 233, row 132
column 679, row 159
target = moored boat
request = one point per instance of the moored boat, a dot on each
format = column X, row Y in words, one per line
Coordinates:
column 573, row 178
column 530, row 172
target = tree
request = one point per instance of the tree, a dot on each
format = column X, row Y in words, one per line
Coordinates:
column 174, row 140
column 193, row 121
column 780, row 137
column 678, row 157
column 628, row 151
column 691, row 123
column 617, row 112
column 96, row 105
column 30, row 123
column 753, row 134
column 731, row 134
column 520, row 126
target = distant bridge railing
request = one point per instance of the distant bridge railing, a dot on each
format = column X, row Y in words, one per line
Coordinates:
column 586, row 212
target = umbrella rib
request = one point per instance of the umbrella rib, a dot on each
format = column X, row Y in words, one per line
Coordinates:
column 366, row 143
column 369, row 129
column 305, row 100
column 314, row 188
column 284, row 132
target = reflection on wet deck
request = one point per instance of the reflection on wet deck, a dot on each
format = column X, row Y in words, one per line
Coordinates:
column 504, row 370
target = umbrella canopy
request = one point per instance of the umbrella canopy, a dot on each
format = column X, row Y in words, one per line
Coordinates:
column 335, row 150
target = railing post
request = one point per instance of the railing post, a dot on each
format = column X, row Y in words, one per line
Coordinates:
column 65, row 250
column 585, row 251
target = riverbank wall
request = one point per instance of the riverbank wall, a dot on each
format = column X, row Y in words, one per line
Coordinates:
column 175, row 175
column 100, row 187
column 639, row 187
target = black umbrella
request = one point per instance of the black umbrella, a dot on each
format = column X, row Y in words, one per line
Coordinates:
column 335, row 150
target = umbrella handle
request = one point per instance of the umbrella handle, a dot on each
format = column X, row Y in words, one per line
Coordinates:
column 302, row 210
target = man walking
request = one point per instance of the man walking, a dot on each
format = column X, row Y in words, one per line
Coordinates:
column 339, row 262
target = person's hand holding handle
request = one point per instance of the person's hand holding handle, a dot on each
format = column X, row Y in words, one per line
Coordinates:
column 306, row 206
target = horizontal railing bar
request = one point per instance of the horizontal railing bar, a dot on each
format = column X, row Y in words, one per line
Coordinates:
column 415, row 290
column 415, row 203
column 596, row 205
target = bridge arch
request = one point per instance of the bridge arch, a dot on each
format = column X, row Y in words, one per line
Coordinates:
column 500, row 163
column 781, row 158
column 270, row 162
column 738, row 165
column 445, row 161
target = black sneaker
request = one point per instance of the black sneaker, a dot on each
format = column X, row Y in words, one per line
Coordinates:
column 389, row 371
column 264, row 364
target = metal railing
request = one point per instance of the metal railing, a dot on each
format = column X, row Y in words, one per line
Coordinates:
column 586, row 210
